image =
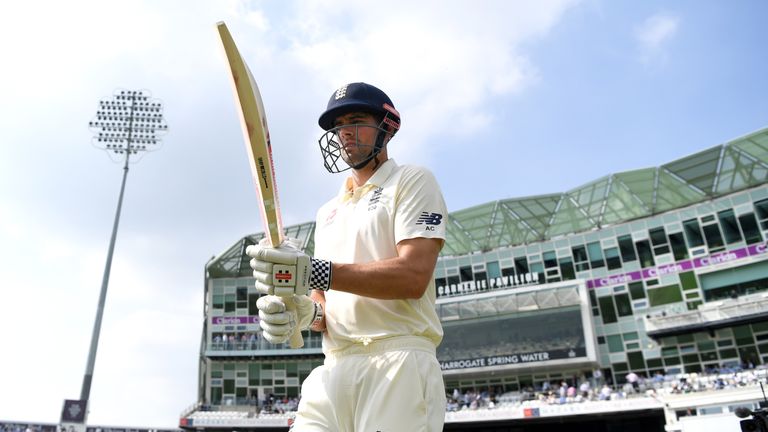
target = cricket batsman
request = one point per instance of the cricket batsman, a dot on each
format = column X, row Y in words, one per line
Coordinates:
column 369, row 288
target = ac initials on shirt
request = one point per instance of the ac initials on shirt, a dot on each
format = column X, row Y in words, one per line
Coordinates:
column 431, row 220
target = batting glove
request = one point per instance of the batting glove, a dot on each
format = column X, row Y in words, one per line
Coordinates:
column 285, row 270
column 279, row 323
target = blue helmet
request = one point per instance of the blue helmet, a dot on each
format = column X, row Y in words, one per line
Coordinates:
column 360, row 97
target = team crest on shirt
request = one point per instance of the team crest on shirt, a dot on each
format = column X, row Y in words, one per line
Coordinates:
column 375, row 197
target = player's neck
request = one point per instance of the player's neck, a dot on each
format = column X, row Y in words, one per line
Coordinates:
column 362, row 175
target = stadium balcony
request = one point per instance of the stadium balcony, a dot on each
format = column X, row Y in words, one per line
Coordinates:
column 709, row 317
column 677, row 393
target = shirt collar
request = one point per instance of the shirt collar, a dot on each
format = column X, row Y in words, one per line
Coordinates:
column 377, row 179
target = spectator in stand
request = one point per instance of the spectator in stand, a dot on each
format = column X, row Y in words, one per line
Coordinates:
column 584, row 388
column 632, row 379
column 597, row 377
column 605, row 392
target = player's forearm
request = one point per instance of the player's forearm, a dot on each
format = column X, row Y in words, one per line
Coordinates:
column 395, row 278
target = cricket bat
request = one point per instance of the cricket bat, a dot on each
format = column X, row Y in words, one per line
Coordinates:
column 256, row 134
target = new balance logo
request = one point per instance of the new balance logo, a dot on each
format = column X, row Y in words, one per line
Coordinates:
column 428, row 218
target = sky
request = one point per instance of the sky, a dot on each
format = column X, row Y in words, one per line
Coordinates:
column 499, row 99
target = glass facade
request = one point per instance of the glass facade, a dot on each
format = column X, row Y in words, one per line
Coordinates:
column 644, row 268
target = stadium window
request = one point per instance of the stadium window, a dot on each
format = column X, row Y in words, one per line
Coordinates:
column 242, row 297
column 218, row 301
column 566, row 269
column 631, row 336
column 579, row 254
column 636, row 290
column 550, row 259
column 601, row 340
column 242, row 294
column 521, row 265
column 623, row 306
column 229, row 386
column 627, row 248
column 538, row 268
column 453, row 280
column 749, row 228
column 644, row 252
column 743, row 335
column 440, row 282
column 679, row 250
column 693, row 233
column 592, row 298
column 730, row 226
column 691, row 358
column 659, row 241
column 761, row 209
column 653, row 362
column 493, row 269
column 724, row 343
column 480, row 276
column 658, row 236
column 607, row 309
column 669, row 351
column 229, row 303
column 216, row 395
column 636, row 361
column 688, row 280
column 252, row 308
column 508, row 272
column 665, row 295
column 612, row 258
column 465, row 273
column 615, row 343
column 595, row 255
column 713, row 237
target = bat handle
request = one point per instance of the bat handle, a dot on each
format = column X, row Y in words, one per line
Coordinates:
column 296, row 340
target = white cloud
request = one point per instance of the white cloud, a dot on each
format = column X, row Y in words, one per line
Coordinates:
column 438, row 61
column 654, row 34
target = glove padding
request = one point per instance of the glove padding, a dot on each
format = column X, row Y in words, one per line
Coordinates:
column 278, row 323
column 285, row 270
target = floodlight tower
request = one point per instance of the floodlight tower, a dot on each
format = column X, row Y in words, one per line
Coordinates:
column 127, row 124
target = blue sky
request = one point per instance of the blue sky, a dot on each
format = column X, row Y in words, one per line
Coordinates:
column 499, row 99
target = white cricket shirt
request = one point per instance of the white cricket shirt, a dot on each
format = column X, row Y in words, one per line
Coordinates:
column 397, row 203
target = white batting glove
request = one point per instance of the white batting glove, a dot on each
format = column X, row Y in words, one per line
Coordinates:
column 278, row 323
column 285, row 270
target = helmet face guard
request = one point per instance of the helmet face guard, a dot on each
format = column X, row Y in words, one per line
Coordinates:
column 356, row 97
column 332, row 149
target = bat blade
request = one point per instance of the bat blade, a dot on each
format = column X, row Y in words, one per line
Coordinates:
column 253, row 120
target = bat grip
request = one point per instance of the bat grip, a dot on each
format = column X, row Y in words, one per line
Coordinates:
column 296, row 340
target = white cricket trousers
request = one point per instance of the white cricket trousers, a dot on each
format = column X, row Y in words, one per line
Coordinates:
column 390, row 385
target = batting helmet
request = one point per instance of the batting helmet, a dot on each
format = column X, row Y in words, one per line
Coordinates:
column 360, row 97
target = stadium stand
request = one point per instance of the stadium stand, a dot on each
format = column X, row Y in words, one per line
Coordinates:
column 640, row 292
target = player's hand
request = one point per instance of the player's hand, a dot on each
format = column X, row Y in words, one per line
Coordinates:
column 285, row 270
column 278, row 322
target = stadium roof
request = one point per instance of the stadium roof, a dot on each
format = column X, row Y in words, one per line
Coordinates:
column 739, row 164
